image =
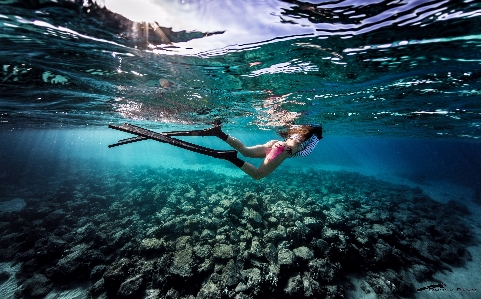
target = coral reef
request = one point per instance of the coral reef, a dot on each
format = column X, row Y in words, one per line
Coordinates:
column 161, row 233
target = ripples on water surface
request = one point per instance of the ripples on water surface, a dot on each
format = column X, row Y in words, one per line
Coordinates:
column 360, row 67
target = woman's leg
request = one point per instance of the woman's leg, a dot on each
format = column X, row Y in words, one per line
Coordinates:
column 251, row 170
column 267, row 167
column 257, row 151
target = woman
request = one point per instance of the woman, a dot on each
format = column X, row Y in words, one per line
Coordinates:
column 299, row 141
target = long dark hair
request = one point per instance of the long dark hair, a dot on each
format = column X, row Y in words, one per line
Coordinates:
column 305, row 131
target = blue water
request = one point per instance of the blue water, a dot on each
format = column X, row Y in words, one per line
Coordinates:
column 395, row 84
column 417, row 160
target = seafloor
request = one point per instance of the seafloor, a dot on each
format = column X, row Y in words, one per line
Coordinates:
column 163, row 233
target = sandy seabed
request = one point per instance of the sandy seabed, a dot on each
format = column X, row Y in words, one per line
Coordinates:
column 172, row 233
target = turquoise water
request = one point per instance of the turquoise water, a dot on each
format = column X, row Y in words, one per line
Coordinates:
column 386, row 203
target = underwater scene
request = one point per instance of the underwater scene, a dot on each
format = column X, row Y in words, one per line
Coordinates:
column 100, row 199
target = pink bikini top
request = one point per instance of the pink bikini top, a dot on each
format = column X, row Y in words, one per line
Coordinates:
column 276, row 150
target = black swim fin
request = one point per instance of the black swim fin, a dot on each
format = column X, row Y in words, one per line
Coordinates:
column 214, row 131
column 229, row 155
column 128, row 140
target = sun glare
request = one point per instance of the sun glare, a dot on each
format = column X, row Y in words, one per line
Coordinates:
column 178, row 15
column 137, row 10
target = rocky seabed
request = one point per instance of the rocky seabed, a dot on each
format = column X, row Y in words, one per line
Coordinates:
column 161, row 233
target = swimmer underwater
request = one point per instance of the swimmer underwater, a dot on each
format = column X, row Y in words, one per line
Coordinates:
column 299, row 141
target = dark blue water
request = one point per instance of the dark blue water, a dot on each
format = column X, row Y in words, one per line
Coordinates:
column 395, row 84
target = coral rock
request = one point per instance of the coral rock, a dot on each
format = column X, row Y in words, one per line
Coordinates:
column 130, row 286
column 285, row 258
column 294, row 286
column 223, row 251
column 253, row 278
column 209, row 291
column 182, row 263
column 230, row 276
column 270, row 253
column 303, row 253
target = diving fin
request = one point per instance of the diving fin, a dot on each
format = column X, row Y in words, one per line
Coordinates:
column 229, row 155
